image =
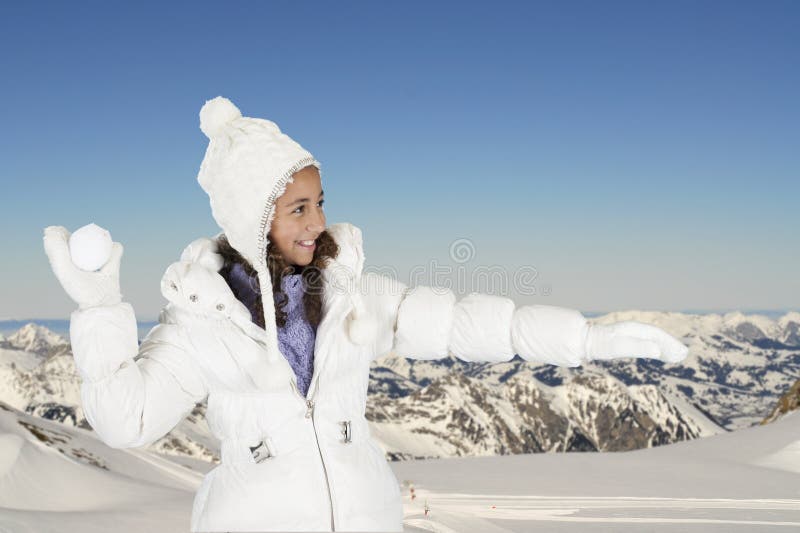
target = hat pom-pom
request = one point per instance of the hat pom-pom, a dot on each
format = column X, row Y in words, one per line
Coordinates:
column 216, row 114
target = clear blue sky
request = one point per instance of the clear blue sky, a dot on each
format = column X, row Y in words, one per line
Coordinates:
column 638, row 155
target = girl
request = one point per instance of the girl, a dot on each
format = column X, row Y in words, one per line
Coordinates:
column 275, row 325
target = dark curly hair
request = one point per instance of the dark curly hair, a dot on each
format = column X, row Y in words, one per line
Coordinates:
column 326, row 250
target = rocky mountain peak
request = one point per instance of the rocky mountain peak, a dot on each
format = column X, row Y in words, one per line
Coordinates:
column 787, row 403
column 35, row 339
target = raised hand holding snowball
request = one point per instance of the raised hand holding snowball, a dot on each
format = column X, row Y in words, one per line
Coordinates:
column 93, row 247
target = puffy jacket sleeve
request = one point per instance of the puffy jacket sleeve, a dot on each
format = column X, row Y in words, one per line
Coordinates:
column 430, row 323
column 133, row 395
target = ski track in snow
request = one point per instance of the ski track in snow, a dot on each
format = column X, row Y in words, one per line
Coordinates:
column 605, row 510
column 427, row 525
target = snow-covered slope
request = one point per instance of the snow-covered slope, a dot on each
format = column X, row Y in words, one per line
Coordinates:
column 748, row 480
column 59, row 478
column 56, row 478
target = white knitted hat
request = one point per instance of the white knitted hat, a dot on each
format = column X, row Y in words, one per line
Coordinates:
column 246, row 168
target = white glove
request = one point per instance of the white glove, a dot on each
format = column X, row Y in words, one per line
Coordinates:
column 87, row 289
column 562, row 336
column 633, row 339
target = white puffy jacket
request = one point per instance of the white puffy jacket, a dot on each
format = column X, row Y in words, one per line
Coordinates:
column 291, row 463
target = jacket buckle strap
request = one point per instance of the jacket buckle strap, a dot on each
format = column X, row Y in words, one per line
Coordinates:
column 263, row 451
column 347, row 431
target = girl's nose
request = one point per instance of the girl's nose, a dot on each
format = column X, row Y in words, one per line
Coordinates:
column 315, row 227
column 316, row 221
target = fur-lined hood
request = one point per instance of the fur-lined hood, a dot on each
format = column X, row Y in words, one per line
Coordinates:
column 193, row 284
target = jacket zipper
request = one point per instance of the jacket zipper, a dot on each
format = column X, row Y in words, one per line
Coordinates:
column 310, row 414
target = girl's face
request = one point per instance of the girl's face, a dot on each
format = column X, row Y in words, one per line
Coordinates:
column 299, row 217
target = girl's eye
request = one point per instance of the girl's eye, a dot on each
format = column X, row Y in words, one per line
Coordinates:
column 300, row 208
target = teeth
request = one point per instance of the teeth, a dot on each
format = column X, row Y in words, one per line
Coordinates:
column 306, row 243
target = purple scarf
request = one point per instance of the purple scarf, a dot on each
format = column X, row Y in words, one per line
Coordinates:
column 296, row 339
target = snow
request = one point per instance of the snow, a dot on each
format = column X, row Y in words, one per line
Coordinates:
column 791, row 316
column 787, row 458
column 744, row 480
column 59, row 478
column 706, row 426
column 683, row 324
column 418, row 445
column 24, row 361
column 34, row 338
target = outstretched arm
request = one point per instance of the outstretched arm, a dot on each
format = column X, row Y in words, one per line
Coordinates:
column 430, row 323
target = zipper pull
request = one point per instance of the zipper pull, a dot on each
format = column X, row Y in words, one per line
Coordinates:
column 310, row 410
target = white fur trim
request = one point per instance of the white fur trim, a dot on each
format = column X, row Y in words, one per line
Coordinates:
column 350, row 261
column 205, row 252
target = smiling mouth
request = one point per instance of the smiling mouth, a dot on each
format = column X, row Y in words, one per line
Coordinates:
column 308, row 245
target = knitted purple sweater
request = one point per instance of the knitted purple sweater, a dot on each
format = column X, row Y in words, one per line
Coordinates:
column 296, row 339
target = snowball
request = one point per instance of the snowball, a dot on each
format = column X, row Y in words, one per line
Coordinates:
column 216, row 114
column 90, row 247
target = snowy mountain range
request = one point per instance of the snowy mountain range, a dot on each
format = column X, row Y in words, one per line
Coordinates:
column 459, row 415
column 738, row 367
